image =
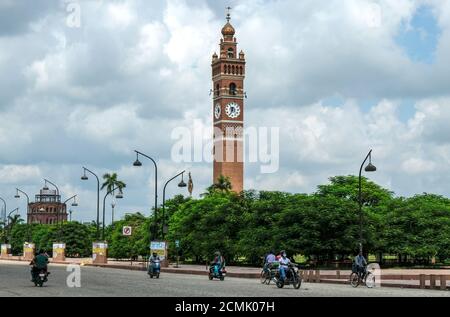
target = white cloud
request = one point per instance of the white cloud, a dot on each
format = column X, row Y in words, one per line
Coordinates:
column 15, row 174
column 135, row 70
column 418, row 166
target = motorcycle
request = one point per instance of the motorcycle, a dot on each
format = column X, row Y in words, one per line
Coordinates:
column 216, row 272
column 154, row 269
column 40, row 277
column 292, row 278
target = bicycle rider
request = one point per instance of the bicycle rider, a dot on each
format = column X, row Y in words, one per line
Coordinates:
column 361, row 265
column 270, row 258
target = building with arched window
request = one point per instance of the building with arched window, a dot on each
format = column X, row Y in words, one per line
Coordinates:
column 47, row 208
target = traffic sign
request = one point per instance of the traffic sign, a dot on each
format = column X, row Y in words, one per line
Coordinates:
column 126, row 231
column 177, row 243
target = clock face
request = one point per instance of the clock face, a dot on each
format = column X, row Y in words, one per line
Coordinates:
column 217, row 111
column 233, row 110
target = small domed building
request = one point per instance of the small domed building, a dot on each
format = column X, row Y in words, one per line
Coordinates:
column 47, row 208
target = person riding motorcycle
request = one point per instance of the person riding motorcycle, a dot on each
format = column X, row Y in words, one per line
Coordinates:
column 219, row 262
column 284, row 265
column 39, row 262
column 153, row 259
column 360, row 264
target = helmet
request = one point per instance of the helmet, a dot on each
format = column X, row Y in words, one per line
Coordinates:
column 217, row 253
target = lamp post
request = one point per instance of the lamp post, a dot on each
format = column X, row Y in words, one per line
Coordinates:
column 113, row 205
column 17, row 196
column 137, row 163
column 58, row 198
column 4, row 210
column 9, row 230
column 9, row 215
column 46, row 188
column 182, row 184
column 85, row 178
column 74, row 204
column 118, row 196
column 369, row 168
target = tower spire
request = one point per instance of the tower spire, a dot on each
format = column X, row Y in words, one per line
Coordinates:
column 229, row 14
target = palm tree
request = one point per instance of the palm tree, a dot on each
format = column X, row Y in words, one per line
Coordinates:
column 223, row 184
column 14, row 220
column 111, row 182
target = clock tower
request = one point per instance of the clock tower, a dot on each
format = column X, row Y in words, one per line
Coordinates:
column 228, row 73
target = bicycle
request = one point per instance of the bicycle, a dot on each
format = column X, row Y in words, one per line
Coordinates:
column 269, row 274
column 367, row 279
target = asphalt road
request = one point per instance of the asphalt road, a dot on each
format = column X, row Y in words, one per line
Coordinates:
column 96, row 282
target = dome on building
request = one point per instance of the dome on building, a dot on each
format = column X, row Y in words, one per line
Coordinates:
column 228, row 30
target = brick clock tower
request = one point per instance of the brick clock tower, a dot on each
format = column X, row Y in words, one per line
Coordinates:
column 228, row 73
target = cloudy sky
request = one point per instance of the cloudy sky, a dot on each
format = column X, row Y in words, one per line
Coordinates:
column 339, row 77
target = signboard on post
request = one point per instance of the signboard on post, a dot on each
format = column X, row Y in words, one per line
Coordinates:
column 59, row 251
column 28, row 251
column 6, row 251
column 160, row 248
column 127, row 231
column 100, row 252
column 177, row 244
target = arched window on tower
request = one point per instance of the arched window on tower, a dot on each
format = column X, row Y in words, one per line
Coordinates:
column 240, row 70
column 217, row 90
column 229, row 69
column 230, row 53
column 233, row 70
column 233, row 91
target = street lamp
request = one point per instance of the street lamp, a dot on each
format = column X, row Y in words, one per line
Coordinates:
column 9, row 215
column 182, row 184
column 4, row 210
column 46, row 187
column 17, row 196
column 138, row 163
column 74, row 204
column 118, row 196
column 57, row 199
column 85, row 178
column 7, row 225
column 370, row 168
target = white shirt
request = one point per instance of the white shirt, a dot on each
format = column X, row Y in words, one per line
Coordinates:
column 284, row 261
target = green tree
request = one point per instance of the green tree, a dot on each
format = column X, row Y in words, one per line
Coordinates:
column 223, row 184
column 418, row 228
column 124, row 247
column 207, row 225
column 111, row 181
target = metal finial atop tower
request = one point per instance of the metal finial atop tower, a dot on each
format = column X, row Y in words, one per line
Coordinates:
column 229, row 14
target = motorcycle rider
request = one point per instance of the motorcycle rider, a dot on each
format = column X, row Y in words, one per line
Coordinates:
column 153, row 259
column 218, row 261
column 284, row 265
column 39, row 262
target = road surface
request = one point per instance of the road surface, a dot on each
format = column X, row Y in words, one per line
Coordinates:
column 96, row 282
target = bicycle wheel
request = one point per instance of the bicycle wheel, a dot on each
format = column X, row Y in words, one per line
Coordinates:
column 370, row 280
column 354, row 280
column 265, row 277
